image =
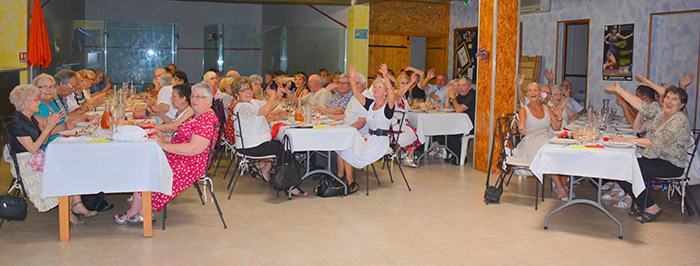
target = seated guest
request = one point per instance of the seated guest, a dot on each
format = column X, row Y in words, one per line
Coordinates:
column 437, row 92
column 67, row 84
column 463, row 100
column 379, row 114
column 172, row 68
column 645, row 93
column 187, row 152
column 179, row 78
column 49, row 106
column 211, row 79
column 536, row 121
column 181, row 102
column 225, row 94
column 82, row 93
column 666, row 144
column 257, row 138
column 317, row 95
column 256, row 83
column 333, row 82
column 559, row 107
column 232, row 74
column 163, row 109
column 408, row 138
column 28, row 137
column 339, row 101
column 99, row 77
column 300, row 89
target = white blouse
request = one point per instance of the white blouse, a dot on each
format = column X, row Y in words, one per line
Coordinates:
column 255, row 128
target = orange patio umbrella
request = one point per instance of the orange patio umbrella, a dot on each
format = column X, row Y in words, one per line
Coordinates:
column 39, row 49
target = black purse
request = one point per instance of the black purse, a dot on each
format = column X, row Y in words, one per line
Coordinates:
column 329, row 187
column 13, row 208
column 96, row 202
column 287, row 171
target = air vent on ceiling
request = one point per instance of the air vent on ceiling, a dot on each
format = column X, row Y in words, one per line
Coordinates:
column 535, row 6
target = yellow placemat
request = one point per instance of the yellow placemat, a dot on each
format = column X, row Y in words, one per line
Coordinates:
column 320, row 127
column 98, row 141
column 583, row 147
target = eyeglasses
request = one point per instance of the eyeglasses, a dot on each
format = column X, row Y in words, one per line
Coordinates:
column 243, row 89
column 564, row 86
column 46, row 87
column 71, row 86
column 344, row 83
column 199, row 97
column 557, row 94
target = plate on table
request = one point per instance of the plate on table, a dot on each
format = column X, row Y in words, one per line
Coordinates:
column 623, row 131
column 445, row 110
column 83, row 124
column 562, row 141
column 623, row 136
column 579, row 122
column 623, row 145
column 74, row 132
column 621, row 125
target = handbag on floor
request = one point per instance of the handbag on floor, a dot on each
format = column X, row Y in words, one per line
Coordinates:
column 287, row 171
column 13, row 208
column 329, row 187
column 96, row 202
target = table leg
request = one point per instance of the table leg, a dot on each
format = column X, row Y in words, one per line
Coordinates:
column 463, row 149
column 64, row 217
column 147, row 224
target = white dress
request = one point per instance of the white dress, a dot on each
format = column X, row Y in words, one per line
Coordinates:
column 537, row 135
column 378, row 145
column 408, row 134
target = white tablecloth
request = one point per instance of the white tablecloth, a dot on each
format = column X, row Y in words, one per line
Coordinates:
column 75, row 167
column 438, row 124
column 336, row 138
column 609, row 163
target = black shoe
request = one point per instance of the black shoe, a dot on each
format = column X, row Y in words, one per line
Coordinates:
column 452, row 160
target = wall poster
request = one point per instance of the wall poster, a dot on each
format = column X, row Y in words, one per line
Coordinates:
column 464, row 57
column 618, row 48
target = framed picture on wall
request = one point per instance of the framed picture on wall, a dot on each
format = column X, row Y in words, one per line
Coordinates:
column 464, row 57
column 618, row 48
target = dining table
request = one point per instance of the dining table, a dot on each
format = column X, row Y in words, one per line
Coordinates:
column 596, row 160
column 80, row 164
column 441, row 123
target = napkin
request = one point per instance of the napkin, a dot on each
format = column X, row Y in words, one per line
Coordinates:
column 583, row 147
column 74, row 139
column 98, row 141
column 320, row 127
column 595, row 146
column 276, row 129
column 129, row 133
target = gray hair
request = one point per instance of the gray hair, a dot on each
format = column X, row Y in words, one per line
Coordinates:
column 317, row 78
column 166, row 79
column 209, row 75
column 41, row 76
column 22, row 93
column 343, row 76
column 556, row 87
column 469, row 81
column 64, row 76
column 203, row 87
column 254, row 78
column 363, row 79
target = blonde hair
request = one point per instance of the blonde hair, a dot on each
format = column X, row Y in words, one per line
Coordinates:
column 41, row 76
column 225, row 82
column 22, row 93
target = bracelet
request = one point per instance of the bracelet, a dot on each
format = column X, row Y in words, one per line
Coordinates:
column 635, row 141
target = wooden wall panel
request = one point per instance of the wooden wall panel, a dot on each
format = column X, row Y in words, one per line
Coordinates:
column 410, row 18
column 394, row 50
column 436, row 54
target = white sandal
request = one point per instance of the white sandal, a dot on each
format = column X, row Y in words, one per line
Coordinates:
column 622, row 204
column 410, row 162
column 620, row 194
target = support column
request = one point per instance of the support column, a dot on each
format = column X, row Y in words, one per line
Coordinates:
column 14, row 31
column 358, row 45
column 496, row 77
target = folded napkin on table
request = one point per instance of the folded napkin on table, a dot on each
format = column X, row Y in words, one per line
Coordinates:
column 74, row 139
column 98, row 141
column 320, row 127
column 587, row 147
column 130, row 133
column 276, row 129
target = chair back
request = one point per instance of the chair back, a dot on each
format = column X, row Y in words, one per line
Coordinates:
column 394, row 135
column 13, row 154
column 212, row 145
column 238, row 132
column 692, row 175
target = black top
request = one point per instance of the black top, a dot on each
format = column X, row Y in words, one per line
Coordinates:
column 21, row 126
column 416, row 93
column 388, row 113
column 470, row 101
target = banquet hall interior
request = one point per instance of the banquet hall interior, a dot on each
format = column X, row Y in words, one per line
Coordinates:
column 443, row 219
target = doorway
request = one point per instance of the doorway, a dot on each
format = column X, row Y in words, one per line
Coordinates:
column 572, row 56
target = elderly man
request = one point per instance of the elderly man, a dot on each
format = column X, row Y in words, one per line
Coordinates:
column 172, row 68
column 163, row 108
column 437, row 92
column 159, row 71
column 463, row 100
column 67, row 83
column 572, row 104
column 339, row 102
column 232, row 74
column 317, row 95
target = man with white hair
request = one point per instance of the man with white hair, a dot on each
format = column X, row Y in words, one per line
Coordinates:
column 164, row 105
column 317, row 95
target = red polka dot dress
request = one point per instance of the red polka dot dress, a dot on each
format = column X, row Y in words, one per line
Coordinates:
column 187, row 169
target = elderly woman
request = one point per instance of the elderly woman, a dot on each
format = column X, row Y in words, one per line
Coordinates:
column 536, row 120
column 300, row 84
column 181, row 101
column 187, row 152
column 48, row 106
column 380, row 111
column 225, row 95
column 408, row 139
column 211, row 79
column 256, row 86
column 29, row 135
column 666, row 144
column 559, row 101
column 256, row 131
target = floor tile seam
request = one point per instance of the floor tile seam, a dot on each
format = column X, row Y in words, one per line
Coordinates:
column 247, row 241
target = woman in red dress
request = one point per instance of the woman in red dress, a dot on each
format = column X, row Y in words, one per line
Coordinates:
column 186, row 152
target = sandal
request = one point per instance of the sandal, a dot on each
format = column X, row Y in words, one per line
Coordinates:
column 137, row 219
column 648, row 217
column 636, row 212
column 88, row 214
column 620, row 194
column 78, row 222
column 300, row 193
column 565, row 198
column 622, row 204
column 354, row 187
column 122, row 218
column 410, row 162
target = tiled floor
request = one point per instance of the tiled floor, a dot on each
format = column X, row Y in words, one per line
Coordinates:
column 443, row 221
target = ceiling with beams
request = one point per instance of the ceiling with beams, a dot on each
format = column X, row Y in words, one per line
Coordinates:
column 305, row 2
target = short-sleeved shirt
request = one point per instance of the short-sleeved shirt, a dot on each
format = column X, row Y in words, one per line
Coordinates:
column 353, row 112
column 318, row 98
column 339, row 100
column 574, row 105
column 440, row 92
column 22, row 126
column 669, row 140
column 164, row 97
column 45, row 111
column 255, row 128
column 470, row 101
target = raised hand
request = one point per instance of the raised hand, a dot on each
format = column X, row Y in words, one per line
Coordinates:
column 643, row 81
column 384, row 70
column 351, row 71
column 271, row 93
column 52, row 120
column 431, row 74
column 686, row 80
column 519, row 79
column 614, row 88
column 549, row 74
column 415, row 78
